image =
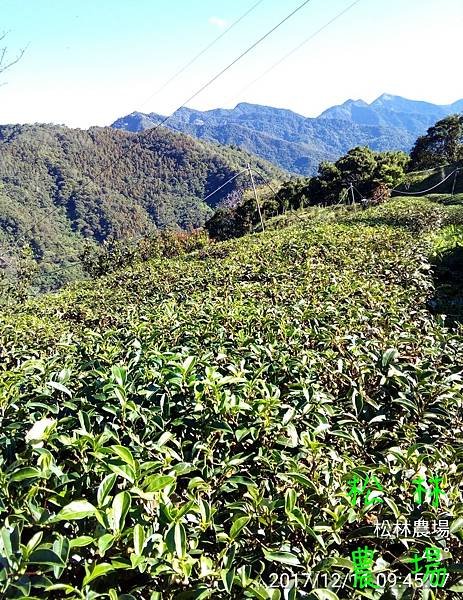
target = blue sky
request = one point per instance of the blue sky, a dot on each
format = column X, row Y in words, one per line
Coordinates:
column 91, row 61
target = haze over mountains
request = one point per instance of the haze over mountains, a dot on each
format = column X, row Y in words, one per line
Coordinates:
column 297, row 143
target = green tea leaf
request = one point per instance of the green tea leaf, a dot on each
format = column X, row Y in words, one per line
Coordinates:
column 154, row 483
column 45, row 557
column 286, row 558
column 180, row 539
column 105, row 488
column 125, row 455
column 120, row 508
column 97, row 571
column 60, row 387
column 105, row 542
column 456, row 525
column 78, row 509
column 237, row 526
column 138, row 539
column 26, row 473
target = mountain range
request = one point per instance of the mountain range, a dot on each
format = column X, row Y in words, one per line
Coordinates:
column 297, row 143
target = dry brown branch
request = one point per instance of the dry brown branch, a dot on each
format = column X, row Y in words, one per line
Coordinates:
column 4, row 62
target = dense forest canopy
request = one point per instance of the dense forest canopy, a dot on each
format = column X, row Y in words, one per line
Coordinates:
column 442, row 144
column 60, row 186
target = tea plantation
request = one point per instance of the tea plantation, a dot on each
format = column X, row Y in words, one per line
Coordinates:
column 240, row 422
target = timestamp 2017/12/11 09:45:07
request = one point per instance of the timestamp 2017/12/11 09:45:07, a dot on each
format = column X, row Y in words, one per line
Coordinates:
column 288, row 580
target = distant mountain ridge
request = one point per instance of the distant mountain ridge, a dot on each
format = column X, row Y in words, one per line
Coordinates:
column 297, row 143
column 392, row 111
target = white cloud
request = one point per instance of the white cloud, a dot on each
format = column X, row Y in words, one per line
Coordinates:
column 218, row 22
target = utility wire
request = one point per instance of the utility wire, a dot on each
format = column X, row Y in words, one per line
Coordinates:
column 276, row 194
column 298, row 47
column 345, row 191
column 240, row 57
column 266, row 181
column 140, row 238
column 429, row 189
column 136, row 139
column 223, row 185
column 201, row 53
column 359, row 193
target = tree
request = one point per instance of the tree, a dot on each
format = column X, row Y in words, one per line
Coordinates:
column 327, row 186
column 373, row 174
column 442, row 144
column 224, row 224
column 228, row 222
column 361, row 168
column 5, row 62
column 294, row 194
column 390, row 168
column 17, row 274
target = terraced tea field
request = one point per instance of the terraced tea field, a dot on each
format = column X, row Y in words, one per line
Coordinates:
column 233, row 422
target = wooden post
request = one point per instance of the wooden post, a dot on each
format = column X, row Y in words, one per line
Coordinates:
column 454, row 181
column 352, row 194
column 255, row 196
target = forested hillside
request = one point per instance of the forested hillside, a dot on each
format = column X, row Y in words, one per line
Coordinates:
column 287, row 139
column 60, row 186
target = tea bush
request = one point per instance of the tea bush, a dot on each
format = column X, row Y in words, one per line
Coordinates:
column 188, row 427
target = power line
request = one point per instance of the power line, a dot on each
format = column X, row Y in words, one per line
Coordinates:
column 256, row 197
column 242, row 55
column 266, row 181
column 251, row 170
column 428, row 189
column 136, row 139
column 454, row 182
column 227, row 68
column 201, row 53
column 344, row 194
column 223, row 185
column 359, row 193
column 298, row 47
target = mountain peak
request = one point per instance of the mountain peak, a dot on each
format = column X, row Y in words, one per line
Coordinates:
column 297, row 143
column 358, row 102
column 245, row 105
column 387, row 98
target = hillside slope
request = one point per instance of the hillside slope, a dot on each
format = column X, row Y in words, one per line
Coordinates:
column 297, row 143
column 446, row 179
column 193, row 428
column 97, row 184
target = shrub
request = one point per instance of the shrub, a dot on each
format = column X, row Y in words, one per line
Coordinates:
column 192, row 431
